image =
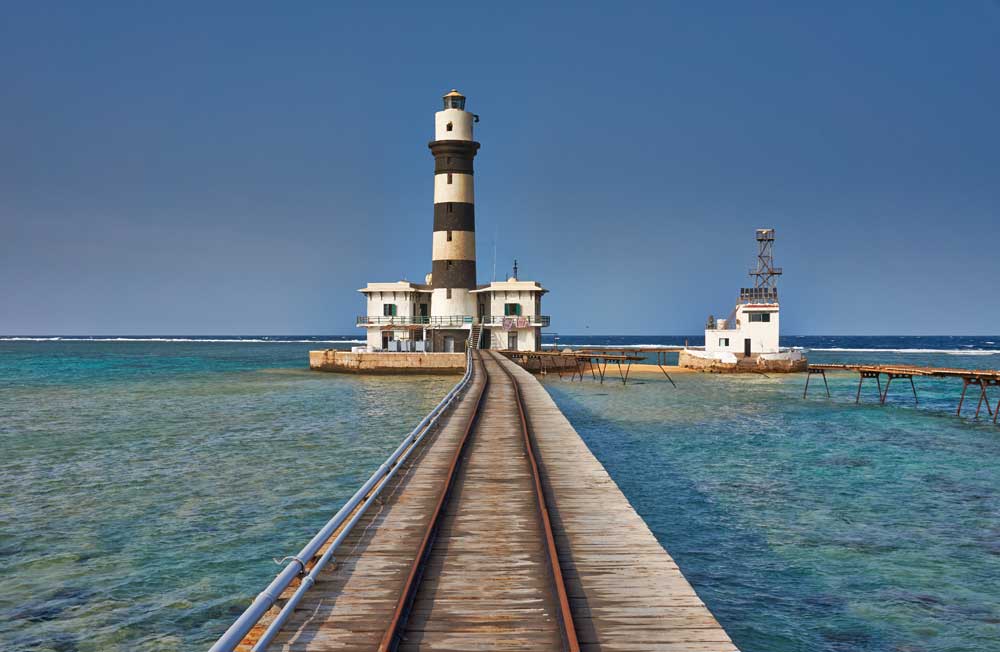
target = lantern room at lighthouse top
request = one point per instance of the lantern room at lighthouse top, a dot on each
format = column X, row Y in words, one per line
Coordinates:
column 453, row 122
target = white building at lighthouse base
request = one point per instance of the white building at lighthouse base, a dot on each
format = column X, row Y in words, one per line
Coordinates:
column 399, row 317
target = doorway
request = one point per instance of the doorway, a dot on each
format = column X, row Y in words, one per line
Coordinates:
column 449, row 344
column 512, row 341
column 746, row 347
column 386, row 336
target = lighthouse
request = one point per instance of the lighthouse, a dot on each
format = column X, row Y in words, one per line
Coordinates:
column 449, row 312
column 453, row 254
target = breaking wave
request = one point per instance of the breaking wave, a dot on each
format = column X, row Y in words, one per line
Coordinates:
column 944, row 351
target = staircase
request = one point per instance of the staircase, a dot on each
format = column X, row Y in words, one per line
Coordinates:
column 476, row 336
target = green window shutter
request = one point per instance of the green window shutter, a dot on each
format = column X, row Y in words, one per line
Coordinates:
column 511, row 309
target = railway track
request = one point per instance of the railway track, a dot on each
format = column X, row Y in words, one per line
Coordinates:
column 448, row 546
column 487, row 572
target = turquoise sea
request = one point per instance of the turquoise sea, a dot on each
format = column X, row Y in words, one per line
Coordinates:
column 148, row 484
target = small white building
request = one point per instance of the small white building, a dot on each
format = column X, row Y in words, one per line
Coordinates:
column 397, row 316
column 450, row 310
column 510, row 312
column 751, row 329
column 749, row 336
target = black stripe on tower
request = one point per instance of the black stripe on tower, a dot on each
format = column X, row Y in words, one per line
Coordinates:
column 454, row 274
column 453, row 155
column 454, row 216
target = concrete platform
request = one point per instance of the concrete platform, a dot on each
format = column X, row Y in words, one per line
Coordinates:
column 388, row 363
column 753, row 365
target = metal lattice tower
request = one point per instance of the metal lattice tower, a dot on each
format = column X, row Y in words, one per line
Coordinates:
column 766, row 274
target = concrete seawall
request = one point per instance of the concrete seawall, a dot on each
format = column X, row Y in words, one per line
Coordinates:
column 389, row 363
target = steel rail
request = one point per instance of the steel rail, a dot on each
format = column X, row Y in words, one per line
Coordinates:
column 364, row 497
column 566, row 614
column 392, row 635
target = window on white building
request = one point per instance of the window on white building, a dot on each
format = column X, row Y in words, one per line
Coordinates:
column 449, row 235
column 511, row 309
column 447, row 293
column 760, row 316
column 723, row 341
column 449, row 177
column 388, row 310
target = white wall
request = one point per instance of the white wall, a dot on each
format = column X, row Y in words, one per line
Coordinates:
column 461, row 125
column 462, row 302
column 374, row 339
column 527, row 299
column 763, row 335
column 406, row 302
column 528, row 339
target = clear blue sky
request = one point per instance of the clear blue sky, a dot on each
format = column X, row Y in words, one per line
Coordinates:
column 197, row 168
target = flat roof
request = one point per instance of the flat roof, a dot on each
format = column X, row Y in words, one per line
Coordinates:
column 397, row 286
column 512, row 286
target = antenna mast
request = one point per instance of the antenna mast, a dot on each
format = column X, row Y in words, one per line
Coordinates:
column 766, row 272
column 765, row 275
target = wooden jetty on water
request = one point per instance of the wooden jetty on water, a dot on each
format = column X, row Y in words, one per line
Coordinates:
column 980, row 378
column 593, row 359
column 491, row 527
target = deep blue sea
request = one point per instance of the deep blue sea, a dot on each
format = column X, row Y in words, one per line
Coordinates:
column 148, row 483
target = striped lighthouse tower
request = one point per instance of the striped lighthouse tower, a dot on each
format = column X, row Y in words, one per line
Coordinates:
column 453, row 271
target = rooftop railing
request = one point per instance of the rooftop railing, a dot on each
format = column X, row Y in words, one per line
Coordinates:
column 758, row 295
column 529, row 320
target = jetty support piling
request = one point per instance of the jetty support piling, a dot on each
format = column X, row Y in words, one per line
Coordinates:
column 869, row 374
column 810, row 373
column 982, row 384
column 661, row 362
column 981, row 378
column 892, row 376
column 545, row 361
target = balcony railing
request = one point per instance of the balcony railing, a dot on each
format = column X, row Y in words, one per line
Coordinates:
column 513, row 321
column 417, row 320
column 517, row 321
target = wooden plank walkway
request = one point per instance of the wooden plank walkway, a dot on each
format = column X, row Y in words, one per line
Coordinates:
column 626, row 591
column 486, row 585
column 486, row 580
column 351, row 604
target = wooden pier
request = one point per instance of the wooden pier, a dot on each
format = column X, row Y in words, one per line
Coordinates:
column 576, row 362
column 500, row 532
column 982, row 379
